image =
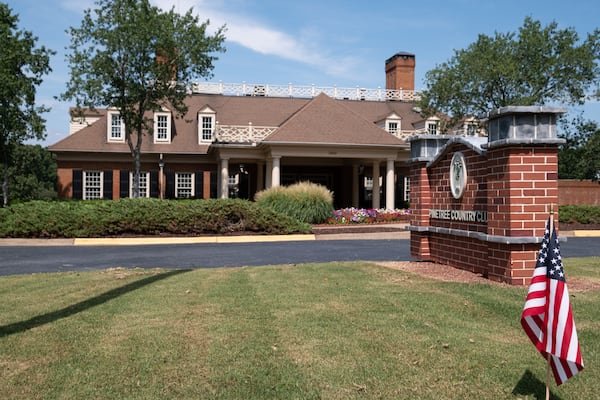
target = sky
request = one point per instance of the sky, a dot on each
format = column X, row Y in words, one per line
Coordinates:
column 341, row 43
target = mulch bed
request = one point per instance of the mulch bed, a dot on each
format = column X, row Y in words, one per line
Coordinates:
column 450, row 274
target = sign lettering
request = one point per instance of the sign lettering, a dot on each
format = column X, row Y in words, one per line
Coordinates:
column 459, row 215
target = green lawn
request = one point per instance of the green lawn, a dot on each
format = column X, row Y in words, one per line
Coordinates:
column 311, row 331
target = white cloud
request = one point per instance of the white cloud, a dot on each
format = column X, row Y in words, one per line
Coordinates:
column 259, row 37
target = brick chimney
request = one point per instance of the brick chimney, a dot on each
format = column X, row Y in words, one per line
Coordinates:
column 400, row 71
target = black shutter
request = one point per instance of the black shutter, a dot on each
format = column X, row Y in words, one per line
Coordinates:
column 154, row 184
column 213, row 184
column 244, row 187
column 108, row 180
column 170, row 186
column 123, row 184
column 77, row 183
column 199, row 184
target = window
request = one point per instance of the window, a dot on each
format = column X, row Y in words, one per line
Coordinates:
column 234, row 186
column 206, row 125
column 392, row 127
column 471, row 129
column 206, row 128
column 144, row 184
column 432, row 128
column 162, row 128
column 116, row 128
column 184, row 185
column 406, row 188
column 92, row 185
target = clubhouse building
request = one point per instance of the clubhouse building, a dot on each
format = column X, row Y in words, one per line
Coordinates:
column 237, row 139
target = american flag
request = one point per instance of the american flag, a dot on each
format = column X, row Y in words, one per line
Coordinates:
column 547, row 317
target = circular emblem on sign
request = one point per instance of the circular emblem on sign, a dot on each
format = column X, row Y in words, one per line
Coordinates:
column 458, row 175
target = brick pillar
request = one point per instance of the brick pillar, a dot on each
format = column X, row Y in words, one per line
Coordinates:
column 423, row 149
column 420, row 203
column 522, row 186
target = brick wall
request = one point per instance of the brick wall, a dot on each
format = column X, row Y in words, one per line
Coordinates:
column 66, row 167
column 574, row 192
column 514, row 183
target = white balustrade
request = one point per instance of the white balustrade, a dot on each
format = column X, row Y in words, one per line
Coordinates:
column 289, row 90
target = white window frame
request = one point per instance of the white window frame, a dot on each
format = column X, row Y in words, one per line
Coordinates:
column 98, row 188
column 109, row 130
column 432, row 127
column 179, row 185
column 159, row 129
column 388, row 126
column 406, row 195
column 144, row 190
column 209, row 116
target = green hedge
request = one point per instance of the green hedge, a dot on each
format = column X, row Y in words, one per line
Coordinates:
column 579, row 214
column 304, row 201
column 101, row 218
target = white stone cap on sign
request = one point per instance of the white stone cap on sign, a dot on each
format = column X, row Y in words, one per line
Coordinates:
column 525, row 110
column 523, row 125
column 473, row 142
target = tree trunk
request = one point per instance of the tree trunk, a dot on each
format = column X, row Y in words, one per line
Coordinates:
column 5, row 186
column 136, row 174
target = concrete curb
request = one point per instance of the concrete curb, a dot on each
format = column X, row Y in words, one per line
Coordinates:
column 397, row 234
column 189, row 240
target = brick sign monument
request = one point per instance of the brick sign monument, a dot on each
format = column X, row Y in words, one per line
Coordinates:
column 481, row 204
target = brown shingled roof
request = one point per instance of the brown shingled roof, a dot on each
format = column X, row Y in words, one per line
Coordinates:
column 318, row 120
column 325, row 120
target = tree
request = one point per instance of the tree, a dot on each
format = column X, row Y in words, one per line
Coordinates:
column 579, row 157
column 538, row 66
column 32, row 173
column 135, row 57
column 22, row 66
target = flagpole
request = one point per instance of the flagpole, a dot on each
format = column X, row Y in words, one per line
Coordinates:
column 548, row 355
column 548, row 377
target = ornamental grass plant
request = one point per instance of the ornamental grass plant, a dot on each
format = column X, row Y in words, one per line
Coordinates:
column 305, row 201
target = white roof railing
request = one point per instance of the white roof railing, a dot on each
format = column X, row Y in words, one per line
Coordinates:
column 289, row 90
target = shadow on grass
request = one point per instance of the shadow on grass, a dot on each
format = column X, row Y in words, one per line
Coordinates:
column 530, row 385
column 47, row 318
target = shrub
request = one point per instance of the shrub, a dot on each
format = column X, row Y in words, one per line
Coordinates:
column 142, row 217
column 305, row 201
column 579, row 214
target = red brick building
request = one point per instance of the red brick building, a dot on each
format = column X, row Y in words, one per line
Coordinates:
column 238, row 139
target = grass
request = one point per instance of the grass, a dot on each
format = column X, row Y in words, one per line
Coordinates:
column 312, row 331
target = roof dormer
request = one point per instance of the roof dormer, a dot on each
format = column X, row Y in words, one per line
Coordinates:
column 207, row 122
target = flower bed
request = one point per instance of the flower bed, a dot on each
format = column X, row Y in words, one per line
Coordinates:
column 368, row 216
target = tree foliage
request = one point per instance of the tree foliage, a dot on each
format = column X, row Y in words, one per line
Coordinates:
column 32, row 173
column 137, row 58
column 579, row 156
column 22, row 66
column 537, row 66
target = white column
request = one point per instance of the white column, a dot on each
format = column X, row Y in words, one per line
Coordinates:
column 389, row 185
column 269, row 173
column 355, row 189
column 224, row 178
column 376, row 199
column 275, row 172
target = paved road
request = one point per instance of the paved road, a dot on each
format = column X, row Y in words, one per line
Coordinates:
column 27, row 260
